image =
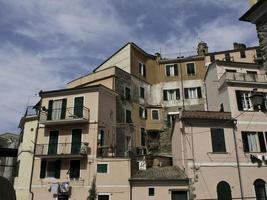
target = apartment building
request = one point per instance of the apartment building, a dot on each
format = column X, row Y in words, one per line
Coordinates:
column 75, row 146
column 239, row 53
column 231, row 87
column 28, row 125
column 151, row 91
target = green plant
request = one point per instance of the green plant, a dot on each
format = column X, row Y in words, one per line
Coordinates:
column 92, row 191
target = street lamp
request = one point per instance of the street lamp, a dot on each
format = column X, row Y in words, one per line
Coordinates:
column 256, row 99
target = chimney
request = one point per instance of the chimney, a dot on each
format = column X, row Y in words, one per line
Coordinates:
column 202, row 48
column 252, row 2
column 239, row 46
column 158, row 56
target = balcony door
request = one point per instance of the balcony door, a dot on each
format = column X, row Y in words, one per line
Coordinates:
column 57, row 109
column 53, row 143
column 78, row 107
column 76, row 141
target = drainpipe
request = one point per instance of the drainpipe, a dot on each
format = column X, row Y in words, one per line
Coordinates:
column 36, row 133
column 237, row 162
column 182, row 84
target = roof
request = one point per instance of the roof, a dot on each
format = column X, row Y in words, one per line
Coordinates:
column 182, row 59
column 7, row 135
column 248, row 16
column 229, row 51
column 129, row 43
column 160, row 173
column 215, row 115
column 91, row 88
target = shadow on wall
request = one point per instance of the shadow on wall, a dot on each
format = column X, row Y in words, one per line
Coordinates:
column 7, row 191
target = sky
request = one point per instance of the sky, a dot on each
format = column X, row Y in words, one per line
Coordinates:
column 46, row 43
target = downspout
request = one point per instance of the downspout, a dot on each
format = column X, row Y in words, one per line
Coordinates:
column 35, row 140
column 182, row 84
column 237, row 162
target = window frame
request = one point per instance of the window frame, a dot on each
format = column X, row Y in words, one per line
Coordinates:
column 152, row 117
column 243, row 53
column 128, row 121
column 141, row 92
column 167, row 94
column 217, row 134
column 197, row 92
column 73, row 178
column 142, row 68
column 254, row 141
column 102, row 163
column 173, row 72
column 195, row 70
column 151, row 191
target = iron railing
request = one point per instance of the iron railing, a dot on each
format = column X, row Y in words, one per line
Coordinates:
column 64, row 114
column 56, row 149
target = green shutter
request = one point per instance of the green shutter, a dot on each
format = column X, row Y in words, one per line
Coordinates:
column 239, row 100
column 57, row 168
column 50, row 110
column 167, row 70
column 245, row 141
column 199, row 94
column 175, row 70
column 144, row 71
column 63, row 109
column 186, row 93
column 262, row 143
column 177, row 94
column 165, row 96
column 43, row 169
column 78, row 107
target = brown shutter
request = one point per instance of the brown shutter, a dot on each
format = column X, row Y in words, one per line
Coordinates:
column 50, row 110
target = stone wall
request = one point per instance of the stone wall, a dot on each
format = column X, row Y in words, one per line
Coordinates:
column 262, row 35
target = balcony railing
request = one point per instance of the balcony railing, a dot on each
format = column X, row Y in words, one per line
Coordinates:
column 64, row 115
column 243, row 77
column 62, row 150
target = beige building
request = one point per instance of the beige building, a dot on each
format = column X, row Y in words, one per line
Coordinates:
column 28, row 125
column 76, row 148
column 151, row 91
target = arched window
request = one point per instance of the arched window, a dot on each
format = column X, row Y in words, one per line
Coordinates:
column 224, row 191
column 259, row 186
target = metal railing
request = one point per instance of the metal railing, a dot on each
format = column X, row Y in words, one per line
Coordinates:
column 64, row 114
column 31, row 111
column 56, row 149
column 243, row 77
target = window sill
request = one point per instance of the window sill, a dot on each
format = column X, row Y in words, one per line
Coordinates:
column 218, row 152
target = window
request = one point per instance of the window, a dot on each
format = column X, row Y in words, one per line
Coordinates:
column 15, row 170
column 100, row 138
column 50, row 169
column 231, row 70
column 57, row 109
column 260, row 189
column 224, row 191
column 151, row 191
column 102, row 168
column 218, row 140
column 74, row 171
column 171, row 70
column 170, row 120
column 227, row 57
column 258, row 52
column 142, row 92
column 128, row 116
column 142, row 113
column 103, row 197
column 179, row 195
column 155, row 114
column 127, row 93
column 243, row 100
column 192, row 93
column 142, row 69
column 190, row 67
column 242, row 53
column 253, row 141
column 143, row 137
column 212, row 57
column 169, row 95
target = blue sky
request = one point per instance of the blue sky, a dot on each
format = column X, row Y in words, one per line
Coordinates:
column 46, row 43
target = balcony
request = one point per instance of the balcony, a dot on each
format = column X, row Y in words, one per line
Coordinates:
column 62, row 150
column 235, row 77
column 68, row 115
